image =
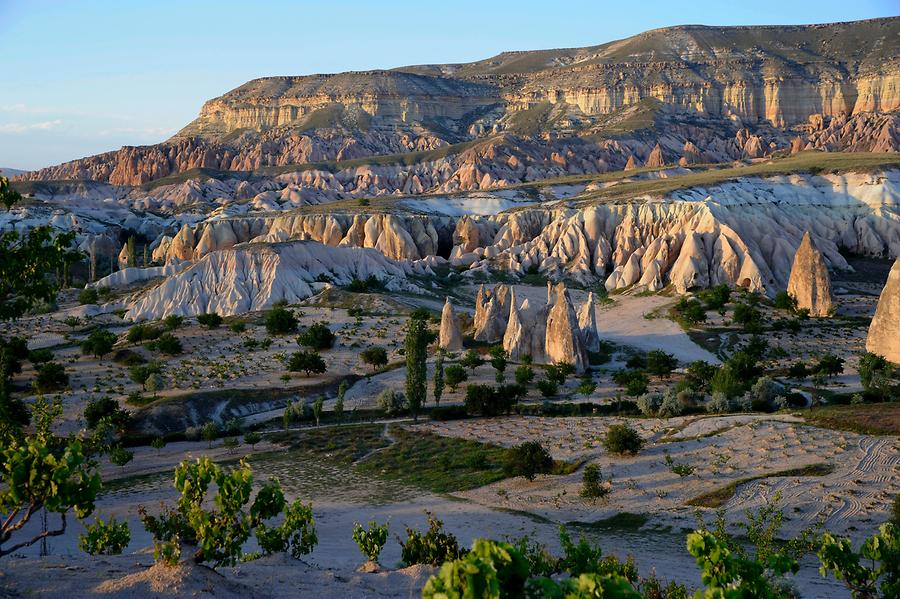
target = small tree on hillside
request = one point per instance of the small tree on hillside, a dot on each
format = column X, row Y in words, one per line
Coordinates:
column 99, row 343
column 499, row 359
column 316, row 337
column 455, row 375
column 280, row 321
column 472, row 360
column 307, row 361
column 375, row 356
column 317, row 408
column 210, row 320
column 875, row 374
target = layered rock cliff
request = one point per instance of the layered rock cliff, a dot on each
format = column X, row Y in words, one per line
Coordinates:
column 806, row 82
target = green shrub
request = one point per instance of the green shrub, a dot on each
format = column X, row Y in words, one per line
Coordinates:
column 218, row 534
column 140, row 373
column 830, row 365
column 172, row 321
column 689, row 311
column 40, row 356
column 210, row 320
column 649, row 403
column 784, row 301
column 99, row 343
column 120, row 456
column 316, row 337
column 547, row 387
column 105, row 408
column 143, row 332
column 527, row 459
column 434, row 547
column 370, row 285
column 586, row 386
column 309, row 362
column 489, row 567
column 716, row 297
column 375, row 356
column 295, row 535
column 622, row 439
column 280, row 321
column 88, row 296
column 391, row 402
column 659, row 363
column 251, row 438
column 370, row 541
column 471, row 360
column 209, row 432
column 524, row 374
column 169, row 344
column 592, row 486
column 726, row 381
column 105, row 538
column 51, row 377
column 454, row 375
column 875, row 374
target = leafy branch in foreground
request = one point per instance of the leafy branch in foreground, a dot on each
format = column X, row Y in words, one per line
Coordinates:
column 41, row 471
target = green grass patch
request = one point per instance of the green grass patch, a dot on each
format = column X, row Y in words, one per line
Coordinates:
column 438, row 464
column 441, row 464
column 720, row 496
column 620, row 521
column 866, row 419
column 341, row 444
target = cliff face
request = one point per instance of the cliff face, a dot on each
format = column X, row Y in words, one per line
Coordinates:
column 799, row 80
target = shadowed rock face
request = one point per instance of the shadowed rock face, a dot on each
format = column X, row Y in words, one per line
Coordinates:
column 884, row 332
column 810, row 283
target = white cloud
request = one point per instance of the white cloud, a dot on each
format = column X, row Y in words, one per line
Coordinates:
column 25, row 127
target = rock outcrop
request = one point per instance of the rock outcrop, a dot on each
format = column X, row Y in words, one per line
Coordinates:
column 253, row 277
column 884, row 331
column 809, row 283
column 563, row 337
column 491, row 313
column 587, row 323
column 450, row 337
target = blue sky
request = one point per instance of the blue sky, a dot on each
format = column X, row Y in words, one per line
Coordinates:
column 90, row 76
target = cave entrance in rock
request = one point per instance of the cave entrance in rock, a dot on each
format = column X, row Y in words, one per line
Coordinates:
column 745, row 283
column 445, row 244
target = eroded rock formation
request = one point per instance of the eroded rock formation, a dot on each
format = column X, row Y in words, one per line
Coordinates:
column 450, row 337
column 563, row 337
column 884, row 331
column 253, row 277
column 809, row 283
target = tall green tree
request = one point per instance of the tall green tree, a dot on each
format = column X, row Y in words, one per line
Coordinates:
column 438, row 378
column 416, row 346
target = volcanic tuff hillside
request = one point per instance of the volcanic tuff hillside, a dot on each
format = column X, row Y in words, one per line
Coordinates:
column 704, row 93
